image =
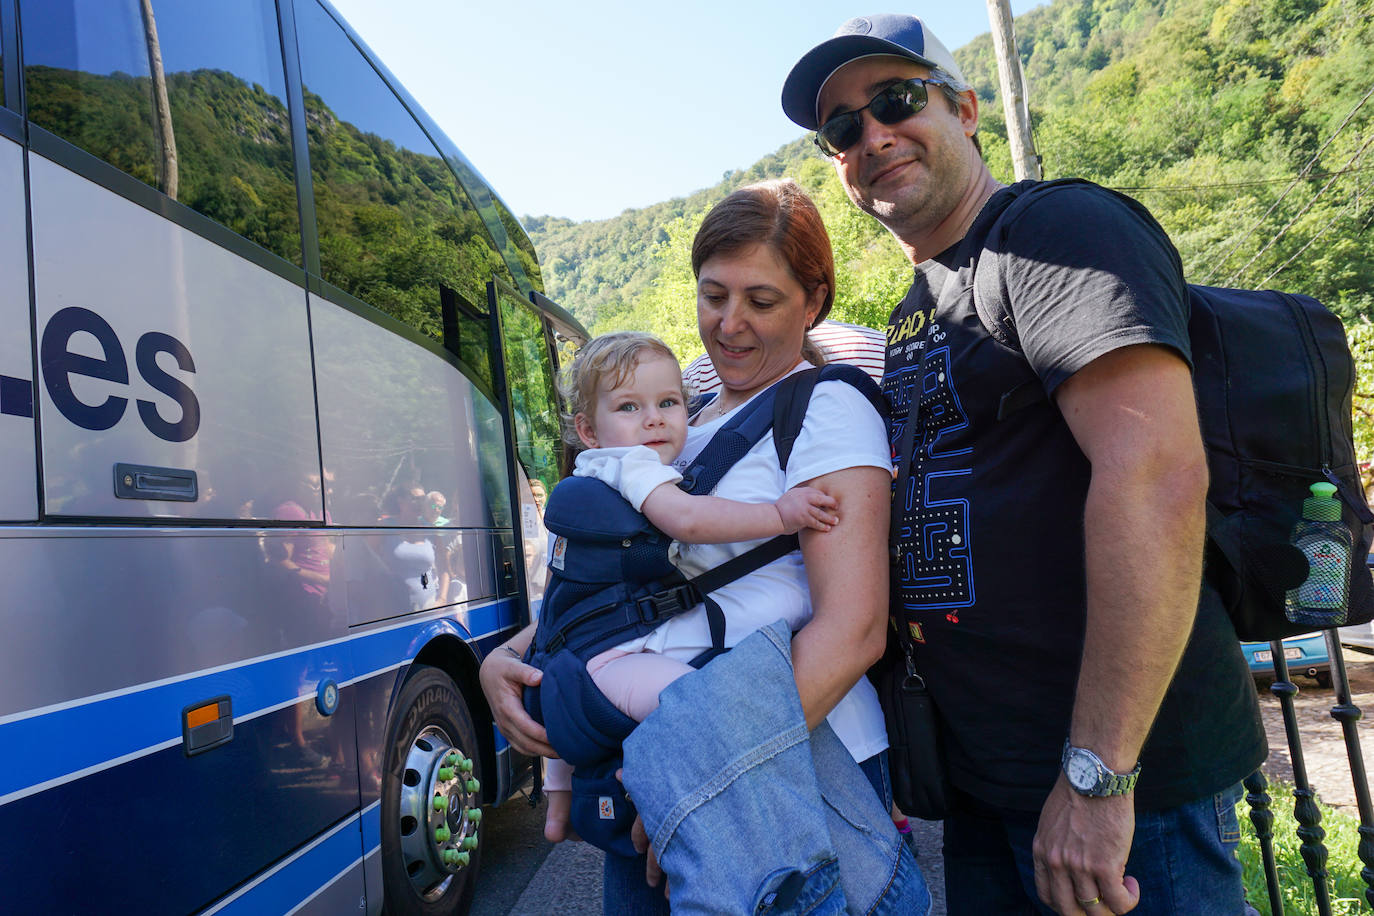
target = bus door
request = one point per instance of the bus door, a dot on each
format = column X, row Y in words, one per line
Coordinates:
column 533, row 414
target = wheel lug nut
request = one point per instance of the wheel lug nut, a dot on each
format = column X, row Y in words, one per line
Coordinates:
column 474, row 815
column 445, row 774
column 472, row 785
column 440, row 803
column 466, row 765
column 454, row 857
column 469, row 842
column 443, row 834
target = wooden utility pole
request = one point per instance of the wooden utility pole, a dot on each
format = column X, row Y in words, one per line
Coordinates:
column 1024, row 160
column 162, row 112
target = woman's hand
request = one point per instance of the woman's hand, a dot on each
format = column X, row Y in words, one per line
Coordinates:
column 639, row 838
column 504, row 678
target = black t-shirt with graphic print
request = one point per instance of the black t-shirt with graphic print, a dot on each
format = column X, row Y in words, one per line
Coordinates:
column 991, row 574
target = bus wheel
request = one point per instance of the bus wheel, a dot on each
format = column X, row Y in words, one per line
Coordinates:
column 431, row 802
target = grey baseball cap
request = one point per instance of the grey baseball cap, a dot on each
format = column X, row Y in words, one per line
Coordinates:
column 863, row 36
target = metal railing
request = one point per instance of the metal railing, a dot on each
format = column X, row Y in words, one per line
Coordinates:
column 1305, row 810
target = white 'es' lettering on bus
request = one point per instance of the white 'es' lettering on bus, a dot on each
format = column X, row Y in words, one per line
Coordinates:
column 60, row 363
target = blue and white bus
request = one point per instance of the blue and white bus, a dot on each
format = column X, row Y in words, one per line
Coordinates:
column 276, row 405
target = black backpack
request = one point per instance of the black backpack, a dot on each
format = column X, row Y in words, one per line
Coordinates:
column 1273, row 376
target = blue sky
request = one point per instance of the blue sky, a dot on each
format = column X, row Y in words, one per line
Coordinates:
column 585, row 109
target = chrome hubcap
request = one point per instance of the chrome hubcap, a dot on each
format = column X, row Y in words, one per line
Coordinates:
column 439, row 812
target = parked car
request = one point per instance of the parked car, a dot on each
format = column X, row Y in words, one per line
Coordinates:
column 1305, row 655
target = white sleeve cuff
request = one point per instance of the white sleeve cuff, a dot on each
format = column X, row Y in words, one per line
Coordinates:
column 635, row 471
column 642, row 472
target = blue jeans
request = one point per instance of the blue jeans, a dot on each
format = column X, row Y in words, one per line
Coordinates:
column 752, row 812
column 623, row 887
column 1184, row 858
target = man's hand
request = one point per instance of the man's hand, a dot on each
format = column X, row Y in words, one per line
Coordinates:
column 1080, row 853
column 504, row 678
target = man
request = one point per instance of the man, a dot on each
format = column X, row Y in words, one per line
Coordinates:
column 1049, row 556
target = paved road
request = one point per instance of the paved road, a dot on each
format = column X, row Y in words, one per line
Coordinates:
column 523, row 875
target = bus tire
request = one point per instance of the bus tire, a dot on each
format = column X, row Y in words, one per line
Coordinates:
column 430, row 724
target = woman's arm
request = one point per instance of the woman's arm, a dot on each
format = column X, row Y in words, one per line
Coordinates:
column 713, row 520
column 504, row 677
column 847, row 571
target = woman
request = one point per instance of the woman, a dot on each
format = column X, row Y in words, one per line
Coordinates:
column 765, row 276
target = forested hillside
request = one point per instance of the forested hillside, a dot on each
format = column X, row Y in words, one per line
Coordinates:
column 1241, row 123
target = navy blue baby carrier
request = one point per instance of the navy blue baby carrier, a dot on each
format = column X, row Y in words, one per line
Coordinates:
column 610, row 581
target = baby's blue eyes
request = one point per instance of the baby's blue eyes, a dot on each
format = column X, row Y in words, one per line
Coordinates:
column 630, row 406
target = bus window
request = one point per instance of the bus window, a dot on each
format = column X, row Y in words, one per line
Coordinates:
column 190, row 100
column 534, row 404
column 407, row 436
column 394, row 223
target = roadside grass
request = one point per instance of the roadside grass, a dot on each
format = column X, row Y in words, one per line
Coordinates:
column 1342, row 863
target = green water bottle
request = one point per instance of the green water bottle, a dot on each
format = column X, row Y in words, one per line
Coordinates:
column 1321, row 600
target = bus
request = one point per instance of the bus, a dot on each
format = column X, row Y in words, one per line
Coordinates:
column 277, row 412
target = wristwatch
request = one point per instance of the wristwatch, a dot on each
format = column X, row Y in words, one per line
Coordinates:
column 1088, row 775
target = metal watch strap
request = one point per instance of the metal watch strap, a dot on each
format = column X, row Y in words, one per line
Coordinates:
column 1109, row 782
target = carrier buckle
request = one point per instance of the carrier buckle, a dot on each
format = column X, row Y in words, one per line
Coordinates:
column 665, row 604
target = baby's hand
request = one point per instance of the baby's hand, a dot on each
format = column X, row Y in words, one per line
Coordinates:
column 556, row 826
column 805, row 507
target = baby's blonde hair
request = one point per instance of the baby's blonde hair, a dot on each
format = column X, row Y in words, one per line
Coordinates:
column 607, row 357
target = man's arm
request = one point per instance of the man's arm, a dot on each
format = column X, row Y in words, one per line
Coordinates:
column 1133, row 413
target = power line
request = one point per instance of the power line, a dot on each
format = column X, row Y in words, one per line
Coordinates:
column 1289, row 225
column 1221, row 262
column 1320, row 232
column 1241, row 184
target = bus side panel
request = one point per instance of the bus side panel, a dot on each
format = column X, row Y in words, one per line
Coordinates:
column 160, row 348
column 18, row 485
column 145, row 625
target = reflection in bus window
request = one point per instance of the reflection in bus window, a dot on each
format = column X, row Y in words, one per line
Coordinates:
column 533, row 401
column 394, row 223
column 190, row 100
column 520, row 243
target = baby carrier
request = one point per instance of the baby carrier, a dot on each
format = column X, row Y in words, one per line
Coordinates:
column 610, row 581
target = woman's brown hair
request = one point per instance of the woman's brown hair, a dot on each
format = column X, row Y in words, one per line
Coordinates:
column 779, row 214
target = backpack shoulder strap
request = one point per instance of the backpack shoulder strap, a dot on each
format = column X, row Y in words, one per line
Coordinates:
column 794, row 396
column 733, row 440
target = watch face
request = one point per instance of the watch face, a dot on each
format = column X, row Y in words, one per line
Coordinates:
column 1081, row 770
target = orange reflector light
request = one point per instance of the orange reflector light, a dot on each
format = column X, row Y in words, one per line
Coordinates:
column 202, row 715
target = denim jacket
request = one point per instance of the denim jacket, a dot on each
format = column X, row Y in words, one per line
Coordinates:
column 748, row 811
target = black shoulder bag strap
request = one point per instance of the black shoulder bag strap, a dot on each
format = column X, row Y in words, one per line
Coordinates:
column 905, row 454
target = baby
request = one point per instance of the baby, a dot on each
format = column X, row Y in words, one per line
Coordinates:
column 628, row 411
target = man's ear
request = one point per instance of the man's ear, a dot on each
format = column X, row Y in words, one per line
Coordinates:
column 584, row 430
column 968, row 112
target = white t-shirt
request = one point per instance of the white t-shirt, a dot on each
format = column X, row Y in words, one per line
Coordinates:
column 841, row 430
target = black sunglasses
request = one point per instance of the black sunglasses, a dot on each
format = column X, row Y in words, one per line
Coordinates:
column 892, row 105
